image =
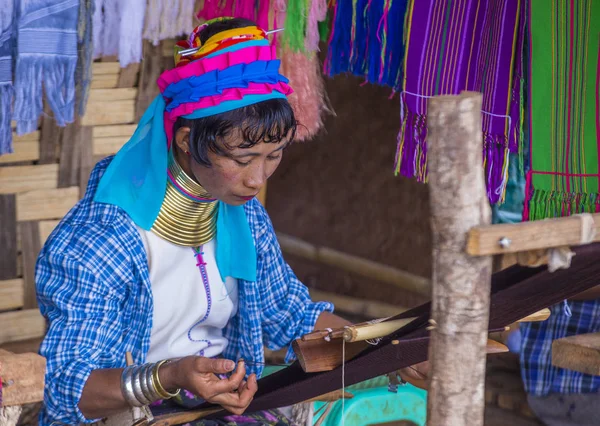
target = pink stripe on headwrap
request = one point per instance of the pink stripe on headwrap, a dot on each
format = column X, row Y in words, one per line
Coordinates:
column 229, row 95
column 219, row 62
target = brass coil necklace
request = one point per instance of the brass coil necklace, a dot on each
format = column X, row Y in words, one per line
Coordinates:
column 188, row 215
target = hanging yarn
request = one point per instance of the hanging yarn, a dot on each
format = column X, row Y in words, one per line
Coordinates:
column 366, row 39
column 215, row 9
column 317, row 13
column 168, row 19
column 118, row 28
column 254, row 10
column 295, row 25
column 279, row 12
column 309, row 100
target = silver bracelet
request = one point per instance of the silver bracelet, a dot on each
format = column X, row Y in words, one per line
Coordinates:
column 137, row 385
column 150, row 381
column 148, row 390
column 127, row 387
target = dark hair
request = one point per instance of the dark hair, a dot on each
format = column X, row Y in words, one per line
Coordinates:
column 269, row 121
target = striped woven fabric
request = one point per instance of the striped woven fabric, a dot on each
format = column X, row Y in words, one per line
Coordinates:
column 564, row 113
column 456, row 45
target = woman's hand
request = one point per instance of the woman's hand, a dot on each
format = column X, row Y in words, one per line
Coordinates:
column 199, row 376
column 417, row 375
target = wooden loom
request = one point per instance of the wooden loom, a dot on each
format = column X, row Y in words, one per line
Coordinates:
column 516, row 292
column 462, row 264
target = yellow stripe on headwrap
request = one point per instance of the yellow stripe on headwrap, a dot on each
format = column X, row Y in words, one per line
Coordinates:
column 252, row 33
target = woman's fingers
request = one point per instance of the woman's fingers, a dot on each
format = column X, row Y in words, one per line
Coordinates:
column 237, row 400
column 215, row 366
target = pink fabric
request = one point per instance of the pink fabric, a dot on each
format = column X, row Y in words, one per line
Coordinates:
column 220, row 62
column 227, row 95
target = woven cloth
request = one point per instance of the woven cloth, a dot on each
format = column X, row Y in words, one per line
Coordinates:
column 7, row 38
column 47, row 57
column 564, row 114
column 454, row 46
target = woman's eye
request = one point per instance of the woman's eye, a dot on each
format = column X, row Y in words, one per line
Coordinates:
column 277, row 157
column 241, row 163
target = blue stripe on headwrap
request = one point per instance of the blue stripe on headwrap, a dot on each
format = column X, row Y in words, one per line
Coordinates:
column 213, row 83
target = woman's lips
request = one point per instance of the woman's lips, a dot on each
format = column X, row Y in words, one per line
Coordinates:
column 248, row 198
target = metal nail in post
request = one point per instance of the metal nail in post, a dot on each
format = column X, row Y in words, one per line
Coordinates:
column 504, row 242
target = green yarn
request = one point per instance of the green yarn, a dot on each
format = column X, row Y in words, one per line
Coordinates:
column 295, row 25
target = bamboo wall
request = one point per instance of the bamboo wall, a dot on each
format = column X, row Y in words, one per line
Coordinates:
column 48, row 172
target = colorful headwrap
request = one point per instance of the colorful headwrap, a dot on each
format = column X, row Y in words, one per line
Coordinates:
column 232, row 69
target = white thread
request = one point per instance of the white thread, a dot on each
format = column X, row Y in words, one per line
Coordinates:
column 328, row 337
column 343, row 381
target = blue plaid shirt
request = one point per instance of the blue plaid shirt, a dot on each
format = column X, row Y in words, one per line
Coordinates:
column 539, row 376
column 93, row 286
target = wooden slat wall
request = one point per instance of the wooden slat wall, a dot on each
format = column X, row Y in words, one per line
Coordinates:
column 47, row 174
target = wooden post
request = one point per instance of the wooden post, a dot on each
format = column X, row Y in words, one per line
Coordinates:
column 461, row 283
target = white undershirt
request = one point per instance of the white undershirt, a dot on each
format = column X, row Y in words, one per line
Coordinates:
column 179, row 292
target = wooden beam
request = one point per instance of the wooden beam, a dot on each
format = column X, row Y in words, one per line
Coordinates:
column 23, row 378
column 104, row 113
column 21, row 325
column 49, row 137
column 30, row 243
column 11, row 294
column 45, row 229
column 525, row 236
column 364, row 267
column 461, row 283
column 111, row 131
column 46, row 204
column 8, row 236
column 103, row 68
column 361, row 307
column 104, row 81
column 579, row 353
column 151, row 68
column 14, row 179
column 26, row 148
column 86, row 159
column 109, row 139
column 70, row 154
column 128, row 76
column 111, row 95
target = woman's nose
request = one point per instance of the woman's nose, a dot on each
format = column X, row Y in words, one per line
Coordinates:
column 256, row 178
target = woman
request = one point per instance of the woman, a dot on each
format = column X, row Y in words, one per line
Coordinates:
column 169, row 256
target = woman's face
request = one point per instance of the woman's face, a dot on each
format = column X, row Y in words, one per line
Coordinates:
column 238, row 176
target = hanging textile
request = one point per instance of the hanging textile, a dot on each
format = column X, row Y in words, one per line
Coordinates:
column 462, row 45
column 366, row 40
column 309, row 99
column 117, row 29
column 255, row 10
column 564, row 108
column 7, row 39
column 46, row 57
column 168, row 19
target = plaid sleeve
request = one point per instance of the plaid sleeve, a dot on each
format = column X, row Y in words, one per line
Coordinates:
column 287, row 310
column 84, row 323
